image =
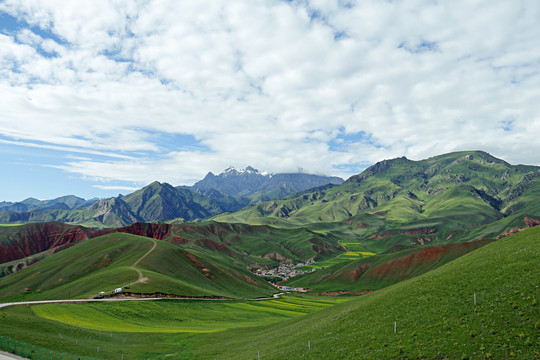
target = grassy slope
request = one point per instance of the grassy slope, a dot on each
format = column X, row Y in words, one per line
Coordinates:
column 105, row 263
column 376, row 272
column 180, row 316
column 360, row 241
column 240, row 244
column 435, row 315
column 460, row 190
column 142, row 330
column 258, row 244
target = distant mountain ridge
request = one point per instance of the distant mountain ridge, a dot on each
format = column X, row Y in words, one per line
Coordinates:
column 427, row 200
column 159, row 202
column 32, row 204
column 249, row 181
column 456, row 190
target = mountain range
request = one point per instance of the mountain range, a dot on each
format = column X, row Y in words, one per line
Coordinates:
column 446, row 193
column 229, row 191
column 394, row 205
column 32, row 204
column 250, row 181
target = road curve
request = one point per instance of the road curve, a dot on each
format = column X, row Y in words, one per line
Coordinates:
column 139, row 272
column 40, row 302
column 7, row 356
column 75, row 301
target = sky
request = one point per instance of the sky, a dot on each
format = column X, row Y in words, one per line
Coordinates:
column 103, row 97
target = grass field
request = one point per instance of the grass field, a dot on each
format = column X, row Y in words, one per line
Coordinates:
column 483, row 305
column 355, row 251
column 146, row 329
column 179, row 316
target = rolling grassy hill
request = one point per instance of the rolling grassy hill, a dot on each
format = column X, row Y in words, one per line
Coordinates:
column 466, row 188
column 435, row 315
column 257, row 244
column 376, row 272
column 148, row 265
column 241, row 244
column 400, row 202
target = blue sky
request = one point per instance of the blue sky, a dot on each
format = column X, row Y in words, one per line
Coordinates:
column 104, row 97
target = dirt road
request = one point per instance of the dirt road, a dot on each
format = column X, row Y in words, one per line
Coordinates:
column 141, row 277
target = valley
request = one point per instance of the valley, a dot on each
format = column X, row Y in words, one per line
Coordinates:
column 387, row 263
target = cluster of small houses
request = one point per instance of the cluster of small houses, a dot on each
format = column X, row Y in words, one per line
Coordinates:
column 285, row 271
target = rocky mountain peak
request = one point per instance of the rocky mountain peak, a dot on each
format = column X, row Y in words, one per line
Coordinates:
column 232, row 171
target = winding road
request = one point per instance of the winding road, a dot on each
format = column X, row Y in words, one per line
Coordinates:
column 39, row 302
column 141, row 278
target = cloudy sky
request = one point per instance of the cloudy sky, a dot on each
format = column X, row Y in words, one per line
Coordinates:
column 102, row 97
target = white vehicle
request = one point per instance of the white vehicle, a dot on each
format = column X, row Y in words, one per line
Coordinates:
column 118, row 290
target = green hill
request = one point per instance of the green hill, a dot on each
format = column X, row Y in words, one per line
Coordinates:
column 147, row 265
column 458, row 190
column 376, row 272
column 440, row 195
column 435, row 315
column 253, row 245
column 240, row 244
column 469, row 188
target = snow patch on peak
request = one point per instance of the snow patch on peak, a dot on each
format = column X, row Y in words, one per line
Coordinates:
column 231, row 170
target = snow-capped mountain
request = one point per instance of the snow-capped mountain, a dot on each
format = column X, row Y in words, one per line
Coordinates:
column 250, row 181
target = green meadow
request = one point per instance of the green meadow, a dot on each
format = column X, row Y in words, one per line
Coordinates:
column 483, row 305
column 171, row 316
column 355, row 251
column 145, row 329
column 111, row 261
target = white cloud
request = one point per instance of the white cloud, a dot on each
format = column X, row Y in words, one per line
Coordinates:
column 66, row 149
column 269, row 84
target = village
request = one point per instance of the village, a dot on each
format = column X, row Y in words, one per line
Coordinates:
column 284, row 272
